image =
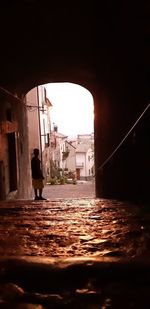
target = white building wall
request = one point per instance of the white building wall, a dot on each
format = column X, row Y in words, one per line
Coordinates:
column 71, row 160
column 44, row 117
column 39, row 125
column 89, row 162
column 61, row 149
column 84, row 163
column 33, row 120
column 80, row 163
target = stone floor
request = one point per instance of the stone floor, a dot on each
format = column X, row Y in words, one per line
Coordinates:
column 74, row 251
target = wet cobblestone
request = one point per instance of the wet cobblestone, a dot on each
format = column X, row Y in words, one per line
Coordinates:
column 73, row 227
column 74, row 253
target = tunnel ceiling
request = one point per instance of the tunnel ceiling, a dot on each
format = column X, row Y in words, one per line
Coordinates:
column 47, row 41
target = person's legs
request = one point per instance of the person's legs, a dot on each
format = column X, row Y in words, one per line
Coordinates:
column 38, row 188
column 40, row 192
column 35, row 193
column 40, row 195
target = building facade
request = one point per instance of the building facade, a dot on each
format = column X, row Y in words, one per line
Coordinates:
column 84, row 162
column 39, row 125
column 81, row 157
column 14, row 156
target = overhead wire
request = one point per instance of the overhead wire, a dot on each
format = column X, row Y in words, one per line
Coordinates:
column 122, row 141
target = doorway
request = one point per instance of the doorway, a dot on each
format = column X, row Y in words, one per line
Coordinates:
column 78, row 173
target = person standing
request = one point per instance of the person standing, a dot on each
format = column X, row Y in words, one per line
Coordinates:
column 37, row 175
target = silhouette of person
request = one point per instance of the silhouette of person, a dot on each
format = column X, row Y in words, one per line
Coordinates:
column 37, row 175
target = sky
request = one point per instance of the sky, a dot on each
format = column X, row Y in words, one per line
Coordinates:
column 72, row 109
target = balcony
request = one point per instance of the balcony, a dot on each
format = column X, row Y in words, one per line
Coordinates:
column 65, row 154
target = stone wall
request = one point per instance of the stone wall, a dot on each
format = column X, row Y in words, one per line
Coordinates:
column 15, row 174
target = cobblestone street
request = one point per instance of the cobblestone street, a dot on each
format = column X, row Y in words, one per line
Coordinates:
column 83, row 189
column 74, row 251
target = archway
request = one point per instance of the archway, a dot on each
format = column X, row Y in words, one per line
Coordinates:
column 61, row 125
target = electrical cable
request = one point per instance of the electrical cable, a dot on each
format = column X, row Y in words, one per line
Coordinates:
column 122, row 141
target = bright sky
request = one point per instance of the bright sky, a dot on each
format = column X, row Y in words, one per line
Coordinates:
column 72, row 109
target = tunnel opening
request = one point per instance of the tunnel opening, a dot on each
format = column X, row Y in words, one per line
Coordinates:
column 61, row 126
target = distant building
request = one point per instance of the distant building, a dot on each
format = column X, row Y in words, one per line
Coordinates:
column 81, row 156
column 86, row 138
column 58, row 152
column 39, row 125
column 84, row 162
column 70, row 163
